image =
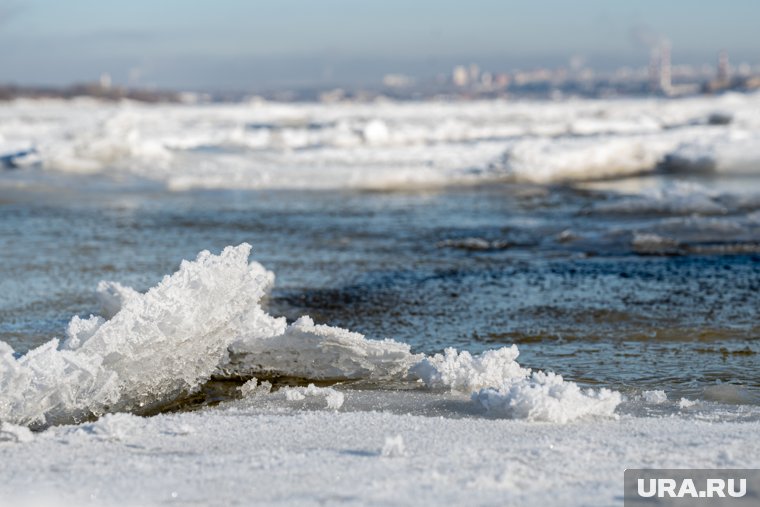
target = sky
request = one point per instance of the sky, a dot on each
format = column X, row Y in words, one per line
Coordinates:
column 241, row 45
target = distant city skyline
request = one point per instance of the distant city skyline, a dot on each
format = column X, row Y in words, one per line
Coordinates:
column 234, row 44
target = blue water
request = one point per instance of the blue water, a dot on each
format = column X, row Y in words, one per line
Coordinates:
column 473, row 268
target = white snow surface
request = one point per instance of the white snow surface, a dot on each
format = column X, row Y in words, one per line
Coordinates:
column 236, row 456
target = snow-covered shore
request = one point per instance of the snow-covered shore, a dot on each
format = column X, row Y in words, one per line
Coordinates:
column 237, row 455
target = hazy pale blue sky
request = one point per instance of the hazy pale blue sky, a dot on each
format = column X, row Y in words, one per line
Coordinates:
column 242, row 44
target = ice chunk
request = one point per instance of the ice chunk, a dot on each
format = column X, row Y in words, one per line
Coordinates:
column 655, row 397
column 375, row 132
column 292, row 394
column 393, row 447
column 460, row 371
column 333, row 399
column 158, row 346
column 248, row 388
column 542, row 160
column 318, row 352
column 546, row 397
column 673, row 199
column 506, row 389
column 647, row 243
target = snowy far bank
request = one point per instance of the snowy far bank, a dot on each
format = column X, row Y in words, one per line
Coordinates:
column 380, row 145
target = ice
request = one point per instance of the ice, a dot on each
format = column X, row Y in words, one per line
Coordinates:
column 254, row 387
column 655, row 397
column 384, row 145
column 547, row 397
column 375, row 132
column 547, row 160
column 735, row 151
column 333, row 399
column 318, row 352
column 730, row 393
column 206, row 320
column 461, row 371
column 654, row 244
column 250, row 387
column 505, row 389
column 293, row 395
column 116, row 427
column 112, row 296
column 80, row 330
column 677, row 198
column 393, row 447
column 157, row 347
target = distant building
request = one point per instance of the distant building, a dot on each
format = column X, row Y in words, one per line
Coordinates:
column 666, row 82
column 502, row 80
column 105, row 81
column 660, row 72
column 397, row 81
column 724, row 69
column 486, row 80
column 473, row 73
column 459, row 76
column 722, row 79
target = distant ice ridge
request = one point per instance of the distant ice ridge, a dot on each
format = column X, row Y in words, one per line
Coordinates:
column 546, row 160
column 206, row 320
column 384, row 145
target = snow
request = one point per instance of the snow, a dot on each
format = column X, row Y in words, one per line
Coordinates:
column 547, row 397
column 333, row 399
column 393, row 447
column 235, row 455
column 460, row 371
